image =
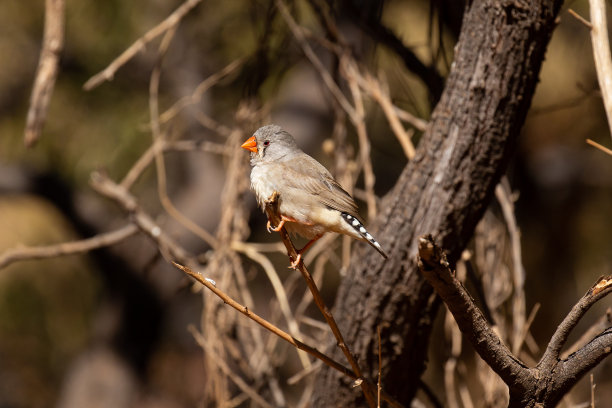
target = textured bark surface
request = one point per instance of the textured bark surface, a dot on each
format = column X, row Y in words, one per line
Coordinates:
column 443, row 192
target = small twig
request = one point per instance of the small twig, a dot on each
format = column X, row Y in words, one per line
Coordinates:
column 580, row 18
column 106, row 187
column 272, row 211
column 264, row 323
column 212, row 355
column 200, row 90
column 46, row 74
column 504, row 197
column 68, row 248
column 157, row 142
column 418, row 123
column 364, row 147
column 600, row 325
column 378, row 383
column 433, row 265
column 316, row 62
column 600, row 147
column 592, row 392
column 279, row 291
column 601, row 52
column 380, row 94
column 171, row 21
column 168, row 145
column 598, row 291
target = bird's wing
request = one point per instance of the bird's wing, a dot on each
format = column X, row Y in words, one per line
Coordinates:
column 306, row 174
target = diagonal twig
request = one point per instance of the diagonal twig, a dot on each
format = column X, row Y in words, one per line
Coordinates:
column 264, row 323
column 46, row 74
column 171, row 21
column 272, row 211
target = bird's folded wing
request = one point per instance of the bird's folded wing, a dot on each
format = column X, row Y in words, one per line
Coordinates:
column 308, row 175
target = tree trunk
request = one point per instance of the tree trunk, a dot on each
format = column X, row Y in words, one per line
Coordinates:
column 443, row 191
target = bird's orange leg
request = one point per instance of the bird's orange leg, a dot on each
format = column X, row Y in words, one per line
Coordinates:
column 295, row 263
column 280, row 225
column 277, row 228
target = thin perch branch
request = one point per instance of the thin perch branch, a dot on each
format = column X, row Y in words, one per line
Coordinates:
column 209, row 284
column 272, row 211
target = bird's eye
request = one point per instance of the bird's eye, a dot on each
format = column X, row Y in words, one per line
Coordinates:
column 266, row 143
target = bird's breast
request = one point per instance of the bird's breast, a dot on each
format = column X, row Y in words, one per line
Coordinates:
column 262, row 184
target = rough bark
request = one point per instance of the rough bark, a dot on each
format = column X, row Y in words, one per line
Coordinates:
column 443, row 191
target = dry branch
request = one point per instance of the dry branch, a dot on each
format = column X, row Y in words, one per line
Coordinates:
column 434, row 266
column 108, row 188
column 601, row 52
column 600, row 147
column 170, row 22
column 53, row 43
column 264, row 323
column 67, row 248
column 544, row 385
column 273, row 214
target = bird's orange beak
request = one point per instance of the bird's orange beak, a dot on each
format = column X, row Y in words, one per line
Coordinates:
column 250, row 144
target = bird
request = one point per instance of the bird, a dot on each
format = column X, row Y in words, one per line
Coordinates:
column 311, row 201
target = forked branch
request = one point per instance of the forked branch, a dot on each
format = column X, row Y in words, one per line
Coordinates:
column 543, row 385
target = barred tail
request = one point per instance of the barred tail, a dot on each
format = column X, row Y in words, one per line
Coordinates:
column 358, row 226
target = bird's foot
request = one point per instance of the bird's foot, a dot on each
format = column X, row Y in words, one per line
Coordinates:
column 275, row 229
column 294, row 264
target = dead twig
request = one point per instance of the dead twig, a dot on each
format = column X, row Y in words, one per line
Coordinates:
column 316, row 62
column 543, row 385
column 167, row 246
column 600, row 147
column 211, row 285
column 157, row 138
column 46, row 74
column 364, row 148
column 68, row 248
column 200, row 90
column 170, row 22
column 580, row 18
column 601, row 53
column 506, row 202
column 219, row 362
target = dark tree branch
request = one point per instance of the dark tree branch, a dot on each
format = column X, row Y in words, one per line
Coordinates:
column 544, row 385
column 434, row 266
column 580, row 362
column 559, row 338
column 370, row 23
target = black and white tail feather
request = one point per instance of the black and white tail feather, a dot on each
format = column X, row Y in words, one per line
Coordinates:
column 358, row 226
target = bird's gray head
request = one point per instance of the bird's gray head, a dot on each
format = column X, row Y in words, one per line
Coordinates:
column 270, row 143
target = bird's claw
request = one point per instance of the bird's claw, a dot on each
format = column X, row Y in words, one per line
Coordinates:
column 294, row 264
column 275, row 229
